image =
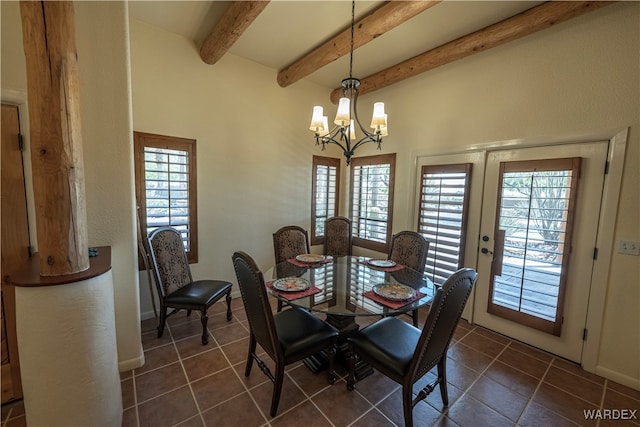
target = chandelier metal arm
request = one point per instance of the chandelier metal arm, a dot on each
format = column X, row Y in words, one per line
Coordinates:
column 331, row 140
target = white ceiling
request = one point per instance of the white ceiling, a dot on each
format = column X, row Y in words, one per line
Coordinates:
column 286, row 30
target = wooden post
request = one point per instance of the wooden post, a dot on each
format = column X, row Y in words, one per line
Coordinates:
column 48, row 31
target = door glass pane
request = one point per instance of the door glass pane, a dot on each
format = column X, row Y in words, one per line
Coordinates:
column 534, row 223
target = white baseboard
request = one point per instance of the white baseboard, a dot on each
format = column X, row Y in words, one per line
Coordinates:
column 147, row 315
column 623, row 379
column 136, row 362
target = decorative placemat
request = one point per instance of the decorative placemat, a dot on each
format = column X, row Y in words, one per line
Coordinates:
column 290, row 296
column 389, row 303
column 309, row 265
column 394, row 268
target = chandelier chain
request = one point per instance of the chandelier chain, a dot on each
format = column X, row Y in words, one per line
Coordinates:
column 353, row 20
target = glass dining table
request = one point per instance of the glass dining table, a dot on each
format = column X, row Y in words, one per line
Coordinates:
column 346, row 288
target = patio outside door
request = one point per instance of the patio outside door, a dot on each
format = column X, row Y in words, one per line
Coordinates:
column 539, row 224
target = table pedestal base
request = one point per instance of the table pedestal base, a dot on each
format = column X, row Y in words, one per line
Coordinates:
column 347, row 326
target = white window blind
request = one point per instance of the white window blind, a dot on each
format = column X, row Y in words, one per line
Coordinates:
column 442, row 217
column 167, row 189
column 326, row 176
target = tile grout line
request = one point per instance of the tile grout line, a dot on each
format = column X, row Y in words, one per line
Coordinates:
column 604, row 392
column 309, row 397
column 247, row 390
column 375, row 406
column 551, row 385
column 234, row 371
column 135, row 395
column 465, row 392
column 530, row 400
column 186, row 377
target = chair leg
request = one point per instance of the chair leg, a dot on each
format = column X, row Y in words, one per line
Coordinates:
column 252, row 350
column 162, row 320
column 331, row 375
column 415, row 318
column 407, row 404
column 442, row 375
column 188, row 313
column 277, row 389
column 205, row 332
column 228, row 299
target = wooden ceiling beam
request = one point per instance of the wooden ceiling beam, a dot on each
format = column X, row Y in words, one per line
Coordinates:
column 229, row 28
column 530, row 21
column 374, row 24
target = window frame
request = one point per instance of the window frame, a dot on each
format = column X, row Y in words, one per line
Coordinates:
column 380, row 159
column 329, row 162
column 141, row 140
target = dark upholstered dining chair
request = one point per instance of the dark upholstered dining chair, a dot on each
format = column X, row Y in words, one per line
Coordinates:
column 404, row 353
column 286, row 337
column 410, row 249
column 290, row 241
column 337, row 236
column 176, row 288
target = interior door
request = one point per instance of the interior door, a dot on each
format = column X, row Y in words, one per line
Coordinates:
column 15, row 246
column 538, row 230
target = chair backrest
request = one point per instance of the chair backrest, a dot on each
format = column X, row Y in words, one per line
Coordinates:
column 337, row 236
column 290, row 241
column 256, row 303
column 409, row 249
column 169, row 259
column 442, row 320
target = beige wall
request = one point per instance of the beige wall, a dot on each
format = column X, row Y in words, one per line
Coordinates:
column 576, row 81
column 254, row 149
column 102, row 44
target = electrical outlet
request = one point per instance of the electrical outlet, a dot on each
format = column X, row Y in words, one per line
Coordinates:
column 628, row 247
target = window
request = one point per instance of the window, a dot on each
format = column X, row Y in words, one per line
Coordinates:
column 442, row 217
column 372, row 180
column 324, row 199
column 165, row 170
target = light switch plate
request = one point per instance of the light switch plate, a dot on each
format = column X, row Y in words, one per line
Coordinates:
column 628, row 247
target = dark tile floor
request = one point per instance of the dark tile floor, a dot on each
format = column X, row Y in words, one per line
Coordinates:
column 493, row 381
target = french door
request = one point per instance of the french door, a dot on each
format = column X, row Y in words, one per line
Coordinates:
column 531, row 234
column 538, row 230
